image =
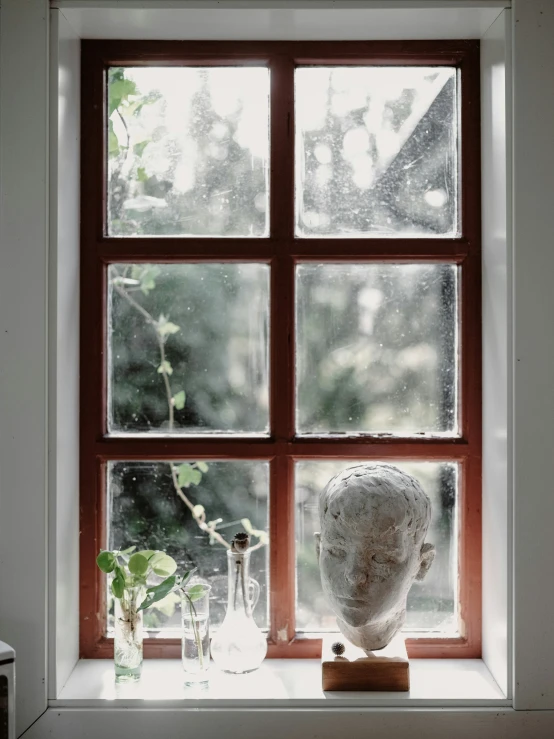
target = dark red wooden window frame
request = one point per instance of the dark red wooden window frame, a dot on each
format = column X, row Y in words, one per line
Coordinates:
column 282, row 251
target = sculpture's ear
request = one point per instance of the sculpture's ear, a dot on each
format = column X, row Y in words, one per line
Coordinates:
column 426, row 557
column 317, row 536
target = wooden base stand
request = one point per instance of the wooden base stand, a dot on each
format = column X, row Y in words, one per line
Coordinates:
column 386, row 670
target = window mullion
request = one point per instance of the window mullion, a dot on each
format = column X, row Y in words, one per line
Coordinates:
column 281, row 507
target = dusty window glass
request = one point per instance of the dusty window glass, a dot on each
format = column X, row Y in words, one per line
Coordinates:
column 188, row 151
column 432, row 603
column 188, row 348
column 145, row 509
column 376, row 349
column 376, row 151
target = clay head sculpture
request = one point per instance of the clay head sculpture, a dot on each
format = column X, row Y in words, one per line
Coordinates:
column 373, row 519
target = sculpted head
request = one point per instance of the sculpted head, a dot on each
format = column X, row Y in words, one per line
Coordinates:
column 373, row 519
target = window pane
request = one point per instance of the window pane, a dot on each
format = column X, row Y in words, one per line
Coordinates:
column 432, row 603
column 376, row 151
column 145, row 509
column 376, row 348
column 188, row 151
column 188, row 348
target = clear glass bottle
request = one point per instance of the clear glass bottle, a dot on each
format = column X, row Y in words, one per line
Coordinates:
column 128, row 635
column 195, row 641
column 239, row 645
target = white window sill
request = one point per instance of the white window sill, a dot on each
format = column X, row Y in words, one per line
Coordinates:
column 278, row 683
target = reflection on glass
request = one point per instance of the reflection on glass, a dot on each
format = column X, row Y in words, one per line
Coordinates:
column 432, row 603
column 188, row 348
column 376, row 348
column 188, row 151
column 376, row 151
column 145, row 509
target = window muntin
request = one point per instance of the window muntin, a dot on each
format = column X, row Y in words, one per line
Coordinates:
column 283, row 448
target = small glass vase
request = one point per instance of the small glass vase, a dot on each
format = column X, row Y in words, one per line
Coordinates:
column 239, row 645
column 128, row 635
column 195, row 642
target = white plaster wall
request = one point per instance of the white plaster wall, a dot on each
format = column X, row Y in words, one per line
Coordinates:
column 23, row 337
column 497, row 374
column 294, row 724
column 258, row 20
column 533, row 228
column 63, row 429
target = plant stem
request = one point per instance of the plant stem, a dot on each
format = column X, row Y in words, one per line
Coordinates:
column 200, row 518
column 196, row 629
column 166, row 381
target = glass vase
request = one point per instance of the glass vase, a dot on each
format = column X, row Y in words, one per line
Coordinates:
column 128, row 635
column 195, row 642
column 239, row 645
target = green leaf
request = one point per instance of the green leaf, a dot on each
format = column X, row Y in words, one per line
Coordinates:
column 165, row 327
column 138, row 564
column 146, row 275
column 138, row 150
column 118, row 583
column 202, row 466
column 166, row 367
column 119, row 90
column 147, row 552
column 185, row 474
column 179, row 400
column 153, row 595
column 188, row 475
column 195, row 592
column 118, row 588
column 168, row 328
column 162, row 564
column 128, row 550
column 106, row 561
column 186, row 577
column 141, row 174
column 113, row 142
column 147, row 285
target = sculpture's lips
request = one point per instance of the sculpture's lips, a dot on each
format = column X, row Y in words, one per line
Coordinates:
column 352, row 602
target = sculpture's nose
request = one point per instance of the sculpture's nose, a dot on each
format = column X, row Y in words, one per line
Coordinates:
column 355, row 575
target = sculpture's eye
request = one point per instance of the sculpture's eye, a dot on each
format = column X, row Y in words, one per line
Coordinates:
column 381, row 558
column 336, row 552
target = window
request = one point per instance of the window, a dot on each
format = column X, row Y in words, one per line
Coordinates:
column 280, row 278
